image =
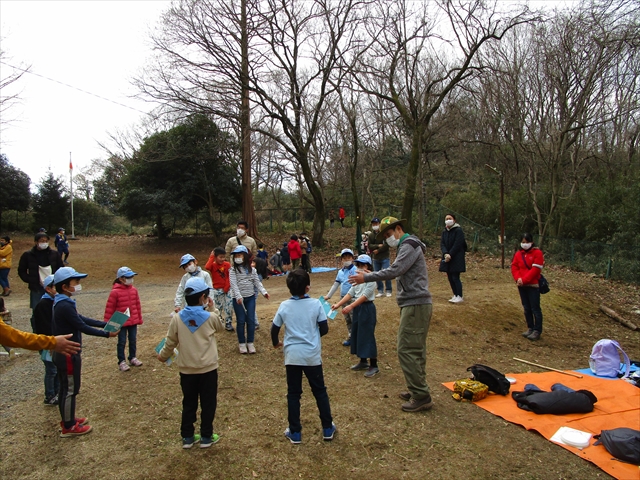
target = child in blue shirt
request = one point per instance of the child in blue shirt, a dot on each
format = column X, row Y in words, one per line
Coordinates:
column 359, row 300
column 342, row 282
column 305, row 323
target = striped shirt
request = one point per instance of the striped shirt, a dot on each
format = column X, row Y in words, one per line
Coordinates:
column 243, row 284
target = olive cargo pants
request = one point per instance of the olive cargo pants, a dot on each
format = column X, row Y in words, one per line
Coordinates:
column 412, row 347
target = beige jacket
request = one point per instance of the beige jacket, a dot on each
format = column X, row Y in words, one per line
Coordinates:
column 197, row 351
column 247, row 241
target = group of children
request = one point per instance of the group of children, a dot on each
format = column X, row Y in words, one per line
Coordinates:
column 193, row 327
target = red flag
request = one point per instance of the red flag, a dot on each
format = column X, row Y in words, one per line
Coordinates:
column 70, row 167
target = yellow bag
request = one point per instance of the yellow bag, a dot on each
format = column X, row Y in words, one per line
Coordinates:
column 469, row 390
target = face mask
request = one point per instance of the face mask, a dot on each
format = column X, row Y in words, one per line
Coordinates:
column 278, row 253
column 449, row 223
column 238, row 260
column 392, row 241
column 526, row 246
column 240, row 232
column 43, row 246
column 347, row 264
column 375, row 228
column 190, row 268
column 77, row 289
column 128, row 281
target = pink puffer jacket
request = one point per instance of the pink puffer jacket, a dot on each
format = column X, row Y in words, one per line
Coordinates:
column 121, row 298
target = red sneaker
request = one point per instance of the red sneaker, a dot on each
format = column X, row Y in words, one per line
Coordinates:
column 81, row 421
column 76, row 430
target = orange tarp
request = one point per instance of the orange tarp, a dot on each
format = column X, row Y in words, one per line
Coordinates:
column 618, row 405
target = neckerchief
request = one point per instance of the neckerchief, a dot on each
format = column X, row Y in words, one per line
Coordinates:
column 402, row 238
column 61, row 297
column 296, row 297
column 46, row 295
column 193, row 317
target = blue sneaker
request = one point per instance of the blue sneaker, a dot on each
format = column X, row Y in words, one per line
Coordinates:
column 206, row 442
column 294, row 438
column 347, row 342
column 328, row 433
column 189, row 441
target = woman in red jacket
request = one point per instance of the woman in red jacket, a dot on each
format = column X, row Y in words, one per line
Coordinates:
column 526, row 268
column 124, row 295
column 295, row 252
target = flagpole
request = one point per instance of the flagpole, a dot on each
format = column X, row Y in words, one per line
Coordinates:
column 73, row 235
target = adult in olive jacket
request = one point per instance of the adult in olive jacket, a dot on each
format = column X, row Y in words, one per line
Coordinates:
column 453, row 246
column 37, row 264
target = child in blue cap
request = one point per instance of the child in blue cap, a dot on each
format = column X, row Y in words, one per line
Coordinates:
column 192, row 270
column 193, row 331
column 363, row 339
column 66, row 319
column 342, row 282
column 42, row 316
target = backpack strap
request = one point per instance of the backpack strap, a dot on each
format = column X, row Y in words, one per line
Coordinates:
column 627, row 363
column 524, row 259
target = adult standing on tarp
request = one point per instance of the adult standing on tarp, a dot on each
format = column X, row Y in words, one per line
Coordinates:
column 453, row 246
column 414, row 300
column 36, row 265
column 241, row 238
column 380, row 253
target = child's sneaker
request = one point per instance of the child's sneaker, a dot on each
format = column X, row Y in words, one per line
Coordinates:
column 124, row 367
column 79, row 421
column 135, row 362
column 294, row 438
column 372, row 372
column 229, row 328
column 251, row 348
column 328, row 433
column 51, row 401
column 257, row 326
column 74, row 431
column 242, row 347
column 360, row 366
column 189, row 441
column 206, row 442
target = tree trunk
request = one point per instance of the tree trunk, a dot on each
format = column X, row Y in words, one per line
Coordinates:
column 412, row 175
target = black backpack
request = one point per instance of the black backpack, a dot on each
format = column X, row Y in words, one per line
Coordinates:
column 492, row 378
column 622, row 443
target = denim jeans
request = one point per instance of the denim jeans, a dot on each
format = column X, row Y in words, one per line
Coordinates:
column 530, row 297
column 247, row 317
column 4, row 277
column 51, row 382
column 455, row 283
column 294, row 392
column 132, row 331
column 381, row 265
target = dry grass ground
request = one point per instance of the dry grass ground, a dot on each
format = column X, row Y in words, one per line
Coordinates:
column 136, row 415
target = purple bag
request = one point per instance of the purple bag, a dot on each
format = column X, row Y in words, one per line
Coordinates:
column 605, row 359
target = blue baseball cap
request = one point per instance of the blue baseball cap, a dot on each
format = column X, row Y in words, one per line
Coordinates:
column 48, row 281
column 195, row 285
column 240, row 249
column 125, row 272
column 186, row 259
column 363, row 259
column 346, row 251
column 375, row 220
column 66, row 273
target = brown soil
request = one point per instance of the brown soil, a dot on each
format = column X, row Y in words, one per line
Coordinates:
column 136, row 415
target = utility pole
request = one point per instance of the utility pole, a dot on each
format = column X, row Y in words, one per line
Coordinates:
column 500, row 174
column 73, row 235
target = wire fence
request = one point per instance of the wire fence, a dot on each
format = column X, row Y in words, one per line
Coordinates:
column 619, row 262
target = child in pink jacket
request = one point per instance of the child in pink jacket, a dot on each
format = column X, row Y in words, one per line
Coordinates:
column 124, row 295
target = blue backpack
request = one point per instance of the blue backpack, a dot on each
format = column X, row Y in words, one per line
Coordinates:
column 605, row 359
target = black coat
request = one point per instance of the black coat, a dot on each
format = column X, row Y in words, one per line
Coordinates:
column 31, row 260
column 453, row 243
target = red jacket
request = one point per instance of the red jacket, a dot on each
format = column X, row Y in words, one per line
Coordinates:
column 219, row 273
column 535, row 261
column 121, row 298
column 342, row 213
column 295, row 252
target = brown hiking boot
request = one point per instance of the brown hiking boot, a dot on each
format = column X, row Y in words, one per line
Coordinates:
column 415, row 405
column 406, row 396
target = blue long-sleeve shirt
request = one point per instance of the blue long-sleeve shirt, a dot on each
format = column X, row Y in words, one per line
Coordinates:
column 66, row 319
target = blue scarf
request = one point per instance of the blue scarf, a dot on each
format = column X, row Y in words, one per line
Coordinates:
column 193, row 317
column 296, row 297
column 198, row 270
column 46, row 295
column 63, row 298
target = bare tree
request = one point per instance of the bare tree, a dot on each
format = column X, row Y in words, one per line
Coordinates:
column 9, row 96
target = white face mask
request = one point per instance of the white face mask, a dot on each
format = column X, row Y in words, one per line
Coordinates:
column 278, row 252
column 375, row 228
column 77, row 289
column 43, row 246
column 449, row 223
column 238, row 260
column 392, row 241
column 526, row 246
column 240, row 232
column 347, row 264
column 190, row 268
column 128, row 281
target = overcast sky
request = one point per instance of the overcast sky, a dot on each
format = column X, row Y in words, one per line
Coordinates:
column 95, row 46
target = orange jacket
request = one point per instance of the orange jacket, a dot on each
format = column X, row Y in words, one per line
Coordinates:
column 6, row 254
column 10, row 337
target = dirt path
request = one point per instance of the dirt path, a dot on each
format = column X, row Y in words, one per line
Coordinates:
column 136, row 415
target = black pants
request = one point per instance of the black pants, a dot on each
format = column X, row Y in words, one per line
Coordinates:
column 294, row 392
column 456, row 284
column 205, row 386
column 69, row 369
column 530, row 298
